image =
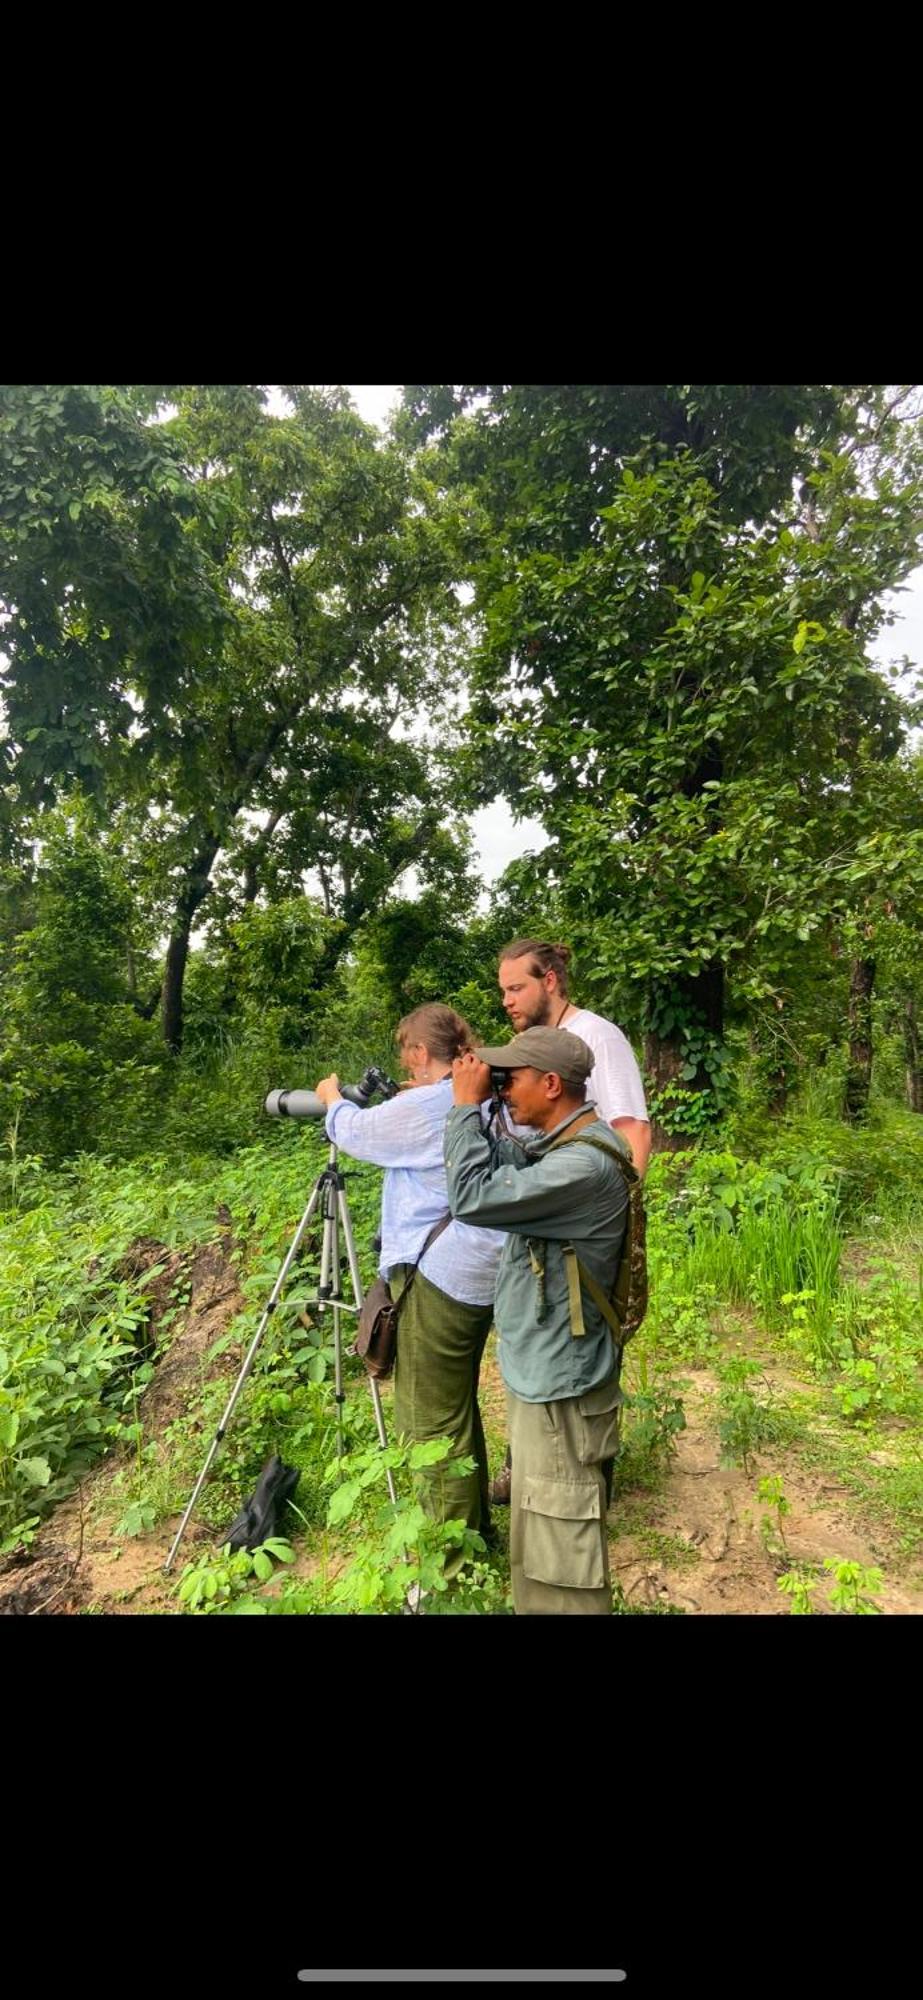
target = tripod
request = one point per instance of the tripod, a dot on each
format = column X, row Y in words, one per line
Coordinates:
column 330, row 1189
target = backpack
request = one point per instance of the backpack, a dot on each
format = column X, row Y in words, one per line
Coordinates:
column 258, row 1519
column 624, row 1310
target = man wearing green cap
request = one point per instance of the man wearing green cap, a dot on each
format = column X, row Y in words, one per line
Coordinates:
column 563, row 1202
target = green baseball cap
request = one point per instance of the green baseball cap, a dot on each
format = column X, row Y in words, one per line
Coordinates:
column 545, row 1049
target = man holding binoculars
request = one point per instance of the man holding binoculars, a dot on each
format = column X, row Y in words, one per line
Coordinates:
column 562, row 1199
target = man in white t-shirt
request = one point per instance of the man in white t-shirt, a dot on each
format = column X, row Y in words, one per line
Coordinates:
column 533, row 983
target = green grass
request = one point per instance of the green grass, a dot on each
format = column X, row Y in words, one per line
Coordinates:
column 819, row 1242
column 653, row 1546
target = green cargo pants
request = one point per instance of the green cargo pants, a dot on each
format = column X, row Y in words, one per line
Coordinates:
column 559, row 1549
column 440, row 1342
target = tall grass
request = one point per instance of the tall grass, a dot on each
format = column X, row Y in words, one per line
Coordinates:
column 771, row 1254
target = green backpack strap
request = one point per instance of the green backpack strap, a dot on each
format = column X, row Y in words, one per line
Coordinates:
column 537, row 1247
column 577, row 1272
column 599, row 1299
column 615, row 1153
column 574, row 1271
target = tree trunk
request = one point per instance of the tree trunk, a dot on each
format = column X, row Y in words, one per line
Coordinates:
column 859, row 1066
column 174, row 973
column 769, row 1061
column 255, row 854
column 192, row 895
column 664, row 1056
column 777, row 1100
column 913, row 1051
column 662, row 1060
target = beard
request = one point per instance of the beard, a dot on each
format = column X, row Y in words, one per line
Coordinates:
column 538, row 1014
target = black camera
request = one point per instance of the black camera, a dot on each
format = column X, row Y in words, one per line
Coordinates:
column 306, row 1103
column 499, row 1079
column 372, row 1083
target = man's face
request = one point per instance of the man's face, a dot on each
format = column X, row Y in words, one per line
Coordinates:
column 526, row 1094
column 527, row 999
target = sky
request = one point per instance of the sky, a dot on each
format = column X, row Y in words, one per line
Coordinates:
column 498, row 838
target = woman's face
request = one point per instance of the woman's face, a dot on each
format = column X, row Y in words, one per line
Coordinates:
column 415, row 1060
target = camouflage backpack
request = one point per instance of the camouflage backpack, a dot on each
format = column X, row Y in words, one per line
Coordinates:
column 624, row 1310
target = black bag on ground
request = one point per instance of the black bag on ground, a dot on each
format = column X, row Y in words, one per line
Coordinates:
column 258, row 1519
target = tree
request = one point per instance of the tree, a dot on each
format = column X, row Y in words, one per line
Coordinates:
column 105, row 595
column 219, row 622
column 882, row 926
column 676, row 589
column 76, row 1060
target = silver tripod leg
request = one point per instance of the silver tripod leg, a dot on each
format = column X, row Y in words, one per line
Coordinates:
column 271, row 1304
column 357, row 1288
column 330, row 1227
column 335, row 1210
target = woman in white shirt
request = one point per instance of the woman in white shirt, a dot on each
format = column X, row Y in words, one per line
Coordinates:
column 449, row 1310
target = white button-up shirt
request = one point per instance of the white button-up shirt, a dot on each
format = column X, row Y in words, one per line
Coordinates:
column 405, row 1136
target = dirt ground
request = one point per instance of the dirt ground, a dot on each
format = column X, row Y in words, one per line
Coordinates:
column 694, row 1542
column 76, row 1561
column 724, row 1564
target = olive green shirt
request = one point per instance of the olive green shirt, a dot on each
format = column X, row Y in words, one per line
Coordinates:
column 573, row 1195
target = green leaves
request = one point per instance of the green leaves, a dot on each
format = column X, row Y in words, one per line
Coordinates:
column 851, row 1580
column 65, row 1307
column 218, row 1583
column 800, row 1586
column 213, row 623
column 138, row 1519
column 809, row 629
column 342, row 1502
column 434, row 1451
column 680, row 689
column 35, row 1471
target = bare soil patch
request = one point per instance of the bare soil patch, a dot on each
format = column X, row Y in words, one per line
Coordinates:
column 77, row 1561
column 697, row 1540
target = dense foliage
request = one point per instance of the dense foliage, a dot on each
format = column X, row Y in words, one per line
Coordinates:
column 258, row 663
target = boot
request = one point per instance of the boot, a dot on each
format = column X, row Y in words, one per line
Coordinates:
column 500, row 1488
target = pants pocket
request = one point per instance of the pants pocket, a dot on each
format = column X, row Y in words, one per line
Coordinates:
column 599, row 1422
column 562, row 1536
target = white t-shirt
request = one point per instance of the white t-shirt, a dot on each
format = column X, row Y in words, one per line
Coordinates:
column 614, row 1082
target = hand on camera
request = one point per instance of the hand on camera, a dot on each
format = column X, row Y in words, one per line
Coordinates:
column 470, row 1080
